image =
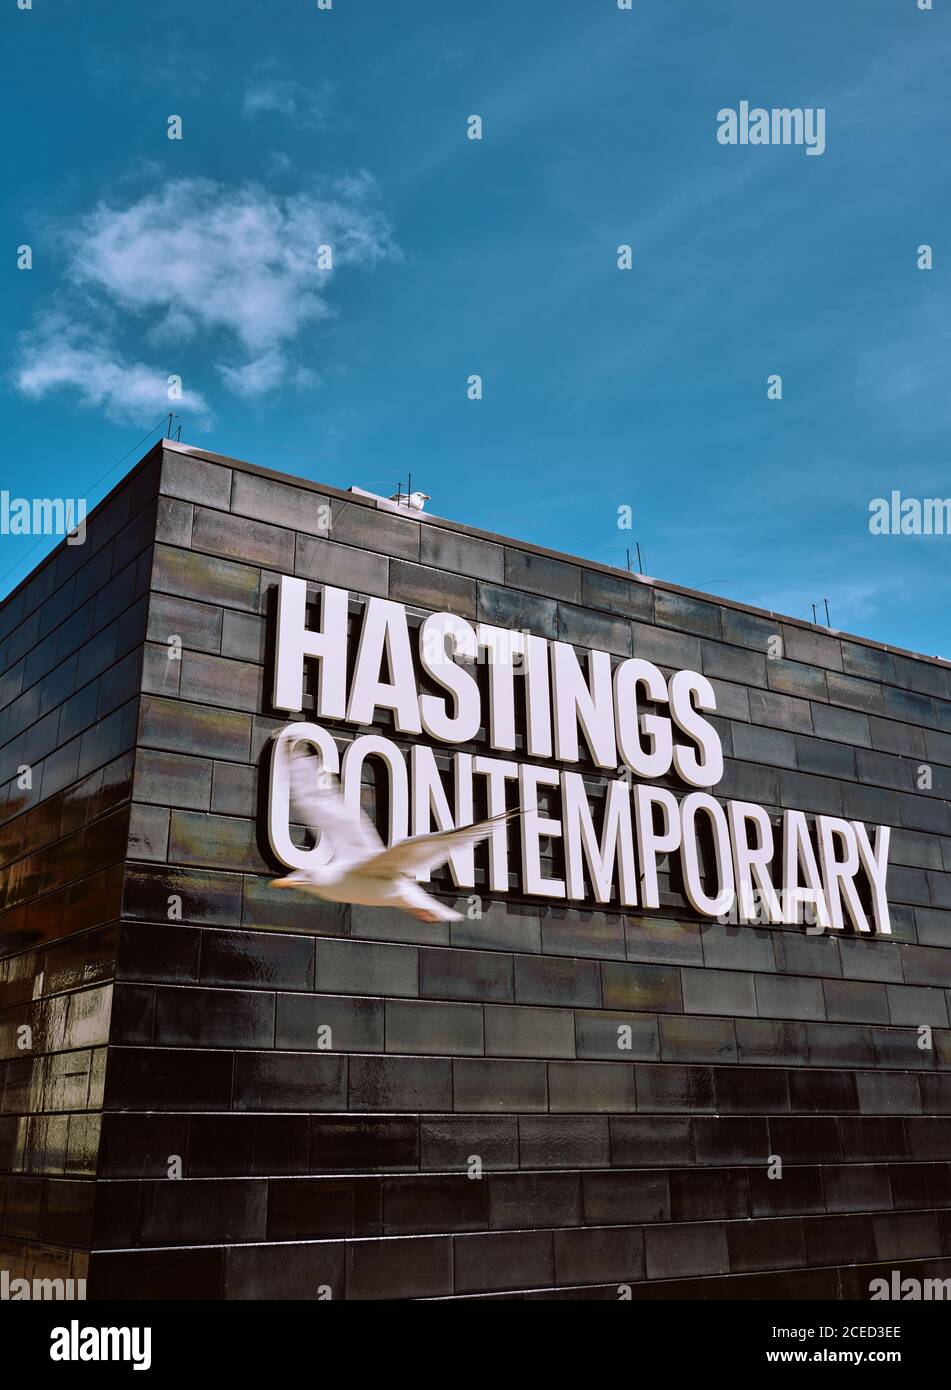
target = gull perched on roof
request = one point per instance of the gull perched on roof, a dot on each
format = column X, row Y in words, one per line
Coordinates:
column 398, row 501
column 361, row 868
column 416, row 501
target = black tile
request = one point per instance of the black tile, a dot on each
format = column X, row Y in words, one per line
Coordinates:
column 675, row 1251
column 926, row 1138
column 857, row 1187
column 502, row 1260
column 221, row 1146
column 672, row 1088
column 767, row 1040
column 618, row 1198
column 195, row 1213
column 685, row 1039
column 317, row 1208
column 400, row 1083
column 564, row 1141
column 475, row 975
column 797, row 1192
column 765, row 1244
column 551, row 980
column 186, row 1017
column 264, row 959
column 731, row 1139
column 495, row 1085
column 839, row 1044
column 141, row 1146
column 746, row 1090
column 839, row 1239
column 709, row 1195
column 313, row 1270
column 907, row 1235
column 872, row 1138
column 410, row 1267
column 193, row 1274
column 324, row 1022
column 453, row 1141
column 289, row 1081
column 164, row 954
column 594, row 1254
column 427, row 1205
column 587, row 1086
column 817, row 1089
column 642, row 1140
column 166, row 1079
column 534, row 1200
column 889, row 1093
column 919, row 1185
column 373, row 1142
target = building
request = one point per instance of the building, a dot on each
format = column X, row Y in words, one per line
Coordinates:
column 213, row 1088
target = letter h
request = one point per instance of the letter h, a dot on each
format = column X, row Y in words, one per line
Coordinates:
column 295, row 641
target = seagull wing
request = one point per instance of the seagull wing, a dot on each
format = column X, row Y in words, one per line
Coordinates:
column 427, row 852
column 316, row 801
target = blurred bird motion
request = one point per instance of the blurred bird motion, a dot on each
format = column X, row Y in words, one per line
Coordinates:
column 361, row 868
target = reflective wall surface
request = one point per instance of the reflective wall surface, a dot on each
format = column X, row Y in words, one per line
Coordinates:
column 71, row 655
column 473, row 1129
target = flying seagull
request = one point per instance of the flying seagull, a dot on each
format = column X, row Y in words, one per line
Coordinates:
column 361, row 869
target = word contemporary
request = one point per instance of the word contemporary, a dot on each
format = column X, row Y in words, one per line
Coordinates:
column 630, row 719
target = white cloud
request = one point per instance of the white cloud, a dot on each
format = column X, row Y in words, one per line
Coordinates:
column 58, row 355
column 232, row 267
column 239, row 260
column 270, row 94
column 265, row 373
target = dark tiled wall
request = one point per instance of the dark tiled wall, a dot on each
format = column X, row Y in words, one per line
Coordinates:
column 70, row 675
column 307, row 1173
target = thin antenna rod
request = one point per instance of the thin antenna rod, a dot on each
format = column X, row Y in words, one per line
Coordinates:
column 814, row 617
column 828, row 619
column 628, row 554
column 640, row 564
column 171, row 416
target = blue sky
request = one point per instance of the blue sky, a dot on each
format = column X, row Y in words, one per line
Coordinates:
column 602, row 388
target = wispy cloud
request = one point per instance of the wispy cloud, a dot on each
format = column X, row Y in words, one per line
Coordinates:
column 235, row 267
column 270, row 94
column 59, row 355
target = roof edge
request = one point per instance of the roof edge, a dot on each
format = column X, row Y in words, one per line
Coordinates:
column 566, row 557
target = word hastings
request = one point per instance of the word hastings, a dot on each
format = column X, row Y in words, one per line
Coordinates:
column 571, row 710
column 780, row 126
